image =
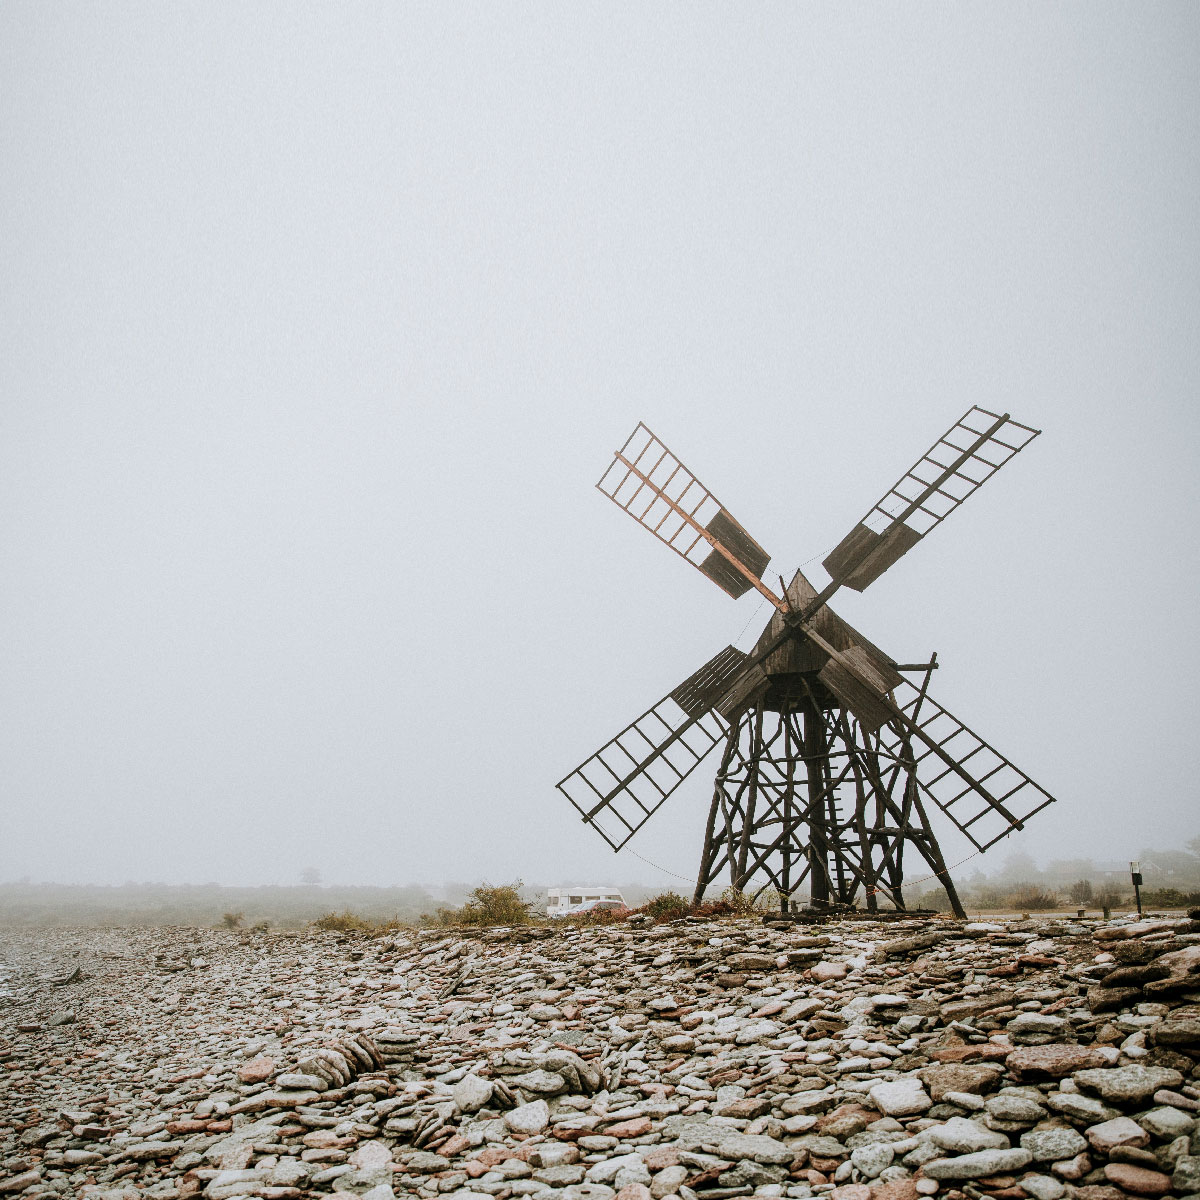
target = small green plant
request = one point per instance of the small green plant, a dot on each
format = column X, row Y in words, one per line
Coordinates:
column 667, row 906
column 232, row 920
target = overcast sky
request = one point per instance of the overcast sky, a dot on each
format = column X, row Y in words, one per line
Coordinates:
column 319, row 322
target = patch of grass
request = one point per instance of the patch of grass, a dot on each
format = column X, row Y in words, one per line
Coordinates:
column 349, row 922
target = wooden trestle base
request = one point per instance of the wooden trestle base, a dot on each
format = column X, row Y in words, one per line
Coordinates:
column 804, row 795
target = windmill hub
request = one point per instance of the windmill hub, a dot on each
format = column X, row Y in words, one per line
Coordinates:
column 835, row 757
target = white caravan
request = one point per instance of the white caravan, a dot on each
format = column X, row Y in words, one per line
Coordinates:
column 560, row 901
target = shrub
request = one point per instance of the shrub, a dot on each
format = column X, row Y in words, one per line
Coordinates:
column 1109, row 897
column 1032, row 897
column 1170, row 898
column 343, row 922
column 488, row 905
column 936, row 898
column 737, row 902
column 232, row 920
column 1081, row 891
column 597, row 916
column 667, row 906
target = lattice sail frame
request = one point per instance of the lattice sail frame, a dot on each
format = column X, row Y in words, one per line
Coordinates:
column 1015, row 796
column 957, row 465
column 662, row 495
column 633, row 774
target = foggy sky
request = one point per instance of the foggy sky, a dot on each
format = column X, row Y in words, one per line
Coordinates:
column 319, row 322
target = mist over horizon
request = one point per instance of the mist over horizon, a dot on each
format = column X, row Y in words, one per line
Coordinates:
column 319, row 327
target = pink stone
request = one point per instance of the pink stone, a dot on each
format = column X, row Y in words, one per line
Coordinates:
column 1056, row 1061
column 825, row 972
column 898, row 1189
column 633, row 1191
column 257, row 1070
column 629, row 1129
column 1120, row 1131
column 851, row 1191
column 1139, row 1180
column 661, row 1156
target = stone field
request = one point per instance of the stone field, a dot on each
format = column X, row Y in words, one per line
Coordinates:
column 864, row 1060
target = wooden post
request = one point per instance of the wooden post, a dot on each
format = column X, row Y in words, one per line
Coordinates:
column 815, row 749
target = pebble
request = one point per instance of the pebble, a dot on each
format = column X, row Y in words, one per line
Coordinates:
column 698, row 1059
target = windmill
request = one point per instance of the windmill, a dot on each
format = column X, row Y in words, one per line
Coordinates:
column 834, row 754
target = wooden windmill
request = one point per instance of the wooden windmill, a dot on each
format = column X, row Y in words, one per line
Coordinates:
column 832, row 752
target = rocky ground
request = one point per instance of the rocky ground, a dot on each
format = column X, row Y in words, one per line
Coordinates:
column 864, row 1060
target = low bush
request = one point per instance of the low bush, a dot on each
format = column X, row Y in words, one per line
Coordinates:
column 595, row 916
column 1169, row 898
column 1081, row 891
column 738, row 902
column 667, row 906
column 935, row 898
column 343, row 922
column 987, row 897
column 489, row 905
column 1032, row 897
column 232, row 920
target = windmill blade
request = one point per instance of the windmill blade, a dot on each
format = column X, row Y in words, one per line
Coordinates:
column 960, row 462
column 620, row 787
column 864, row 692
column 661, row 494
column 986, row 796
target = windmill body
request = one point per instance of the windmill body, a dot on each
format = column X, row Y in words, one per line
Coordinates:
column 833, row 755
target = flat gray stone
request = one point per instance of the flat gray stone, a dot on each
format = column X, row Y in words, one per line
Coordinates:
column 1166, row 1122
column 1054, row 1143
column 901, row 1098
column 1043, row 1187
column 873, row 1160
column 755, row 1146
column 1132, row 1084
column 961, row 1136
column 980, row 1164
column 471, row 1093
column 528, row 1118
